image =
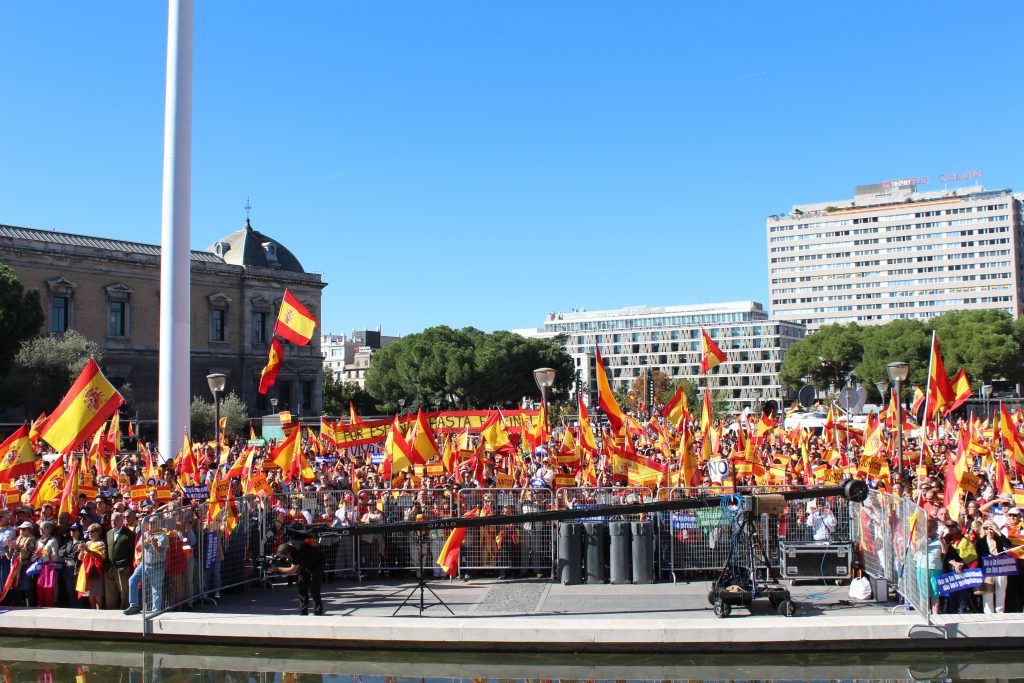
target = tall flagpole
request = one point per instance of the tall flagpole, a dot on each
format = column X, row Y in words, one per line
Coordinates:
column 175, row 251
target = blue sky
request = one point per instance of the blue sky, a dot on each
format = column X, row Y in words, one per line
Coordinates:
column 483, row 162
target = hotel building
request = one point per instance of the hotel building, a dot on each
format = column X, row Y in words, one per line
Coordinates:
column 892, row 252
column 633, row 340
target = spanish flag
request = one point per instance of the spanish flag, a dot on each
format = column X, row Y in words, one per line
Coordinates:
column 284, row 454
column 16, row 456
column 587, row 440
column 294, row 321
column 676, row 410
column 423, row 441
column 961, row 390
column 448, row 559
column 449, row 454
column 353, row 417
column 398, row 451
column 711, row 356
column 327, row 431
column 495, row 434
column 69, row 496
column 87, row 405
column 269, row 373
column 605, row 397
column 1011, row 439
column 50, row 486
column 940, row 391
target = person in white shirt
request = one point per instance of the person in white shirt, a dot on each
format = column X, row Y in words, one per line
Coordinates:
column 822, row 522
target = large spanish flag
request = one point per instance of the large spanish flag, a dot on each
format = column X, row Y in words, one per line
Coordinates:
column 962, row 390
column 87, row 405
column 940, row 392
column 16, row 455
column 1011, row 439
column 269, row 373
column 711, row 356
column 587, row 440
column 423, row 441
column 294, row 321
column 284, row 454
column 605, row 397
column 494, row 432
column 677, row 410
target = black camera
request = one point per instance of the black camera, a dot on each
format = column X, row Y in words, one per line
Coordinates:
column 268, row 561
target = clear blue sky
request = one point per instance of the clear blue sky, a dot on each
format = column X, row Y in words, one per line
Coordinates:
column 483, row 162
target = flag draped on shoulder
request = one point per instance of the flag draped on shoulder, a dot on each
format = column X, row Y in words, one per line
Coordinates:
column 294, row 321
column 87, row 405
column 605, row 397
column 269, row 373
column 711, row 356
column 16, row 455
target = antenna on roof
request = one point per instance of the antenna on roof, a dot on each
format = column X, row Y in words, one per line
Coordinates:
column 247, row 207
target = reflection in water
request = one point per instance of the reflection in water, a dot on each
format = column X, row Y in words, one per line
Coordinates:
column 39, row 660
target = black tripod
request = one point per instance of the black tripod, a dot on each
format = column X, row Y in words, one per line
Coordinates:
column 421, row 585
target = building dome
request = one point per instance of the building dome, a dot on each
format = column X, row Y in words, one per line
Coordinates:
column 248, row 247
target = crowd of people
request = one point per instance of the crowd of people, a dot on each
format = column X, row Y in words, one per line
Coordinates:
column 90, row 555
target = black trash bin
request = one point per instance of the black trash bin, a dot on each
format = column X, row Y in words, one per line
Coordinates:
column 619, row 552
column 643, row 552
column 595, row 556
column 570, row 546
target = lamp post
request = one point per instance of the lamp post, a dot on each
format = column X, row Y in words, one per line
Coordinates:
column 545, row 379
column 986, row 394
column 883, row 389
column 898, row 371
column 216, row 382
column 401, row 407
column 273, row 405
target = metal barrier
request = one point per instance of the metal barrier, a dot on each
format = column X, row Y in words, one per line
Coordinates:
column 515, row 547
column 337, row 509
column 891, row 533
column 398, row 551
column 188, row 555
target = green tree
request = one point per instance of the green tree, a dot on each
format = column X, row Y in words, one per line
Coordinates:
column 337, row 396
column 823, row 359
column 983, row 343
column 446, row 368
column 900, row 340
column 231, row 407
column 21, row 316
column 44, row 369
column 662, row 386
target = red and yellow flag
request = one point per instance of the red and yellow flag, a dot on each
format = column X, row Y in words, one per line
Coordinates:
column 711, row 356
column 423, row 440
column 676, row 410
column 586, row 440
column 961, row 390
column 16, row 455
column 940, row 391
column 269, row 373
column 1011, row 439
column 86, row 406
column 495, row 434
column 294, row 321
column 284, row 454
column 398, row 452
column 448, row 559
column 353, row 416
column 605, row 397
column 69, row 496
column 50, row 486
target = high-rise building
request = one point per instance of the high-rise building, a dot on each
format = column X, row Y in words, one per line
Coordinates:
column 633, row 340
column 892, row 252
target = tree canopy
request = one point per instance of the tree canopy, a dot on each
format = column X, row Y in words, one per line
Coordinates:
column 44, row 369
column 21, row 316
column 987, row 344
column 446, row 368
column 231, row 407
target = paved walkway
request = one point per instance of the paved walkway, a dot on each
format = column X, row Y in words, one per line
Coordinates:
column 535, row 615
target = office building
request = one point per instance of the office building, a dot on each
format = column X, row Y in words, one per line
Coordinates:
column 893, row 252
column 349, row 357
column 668, row 339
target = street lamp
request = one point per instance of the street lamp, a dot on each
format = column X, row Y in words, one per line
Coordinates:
column 883, row 389
column 273, row 405
column 898, row 371
column 401, row 406
column 216, row 381
column 986, row 394
column 545, row 379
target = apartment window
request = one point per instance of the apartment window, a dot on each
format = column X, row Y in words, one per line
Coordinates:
column 118, row 310
column 217, row 316
column 59, row 306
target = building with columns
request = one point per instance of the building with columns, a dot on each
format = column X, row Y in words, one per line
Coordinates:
column 109, row 291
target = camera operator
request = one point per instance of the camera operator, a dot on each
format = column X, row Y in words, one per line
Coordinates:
column 307, row 563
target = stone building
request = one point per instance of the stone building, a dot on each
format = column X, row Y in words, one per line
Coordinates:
column 109, row 291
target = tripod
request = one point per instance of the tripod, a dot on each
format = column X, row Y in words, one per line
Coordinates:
column 421, row 585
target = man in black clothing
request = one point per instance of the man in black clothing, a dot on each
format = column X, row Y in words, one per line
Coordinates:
column 308, row 564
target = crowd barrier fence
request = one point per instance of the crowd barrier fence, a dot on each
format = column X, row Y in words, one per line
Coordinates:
column 510, row 547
